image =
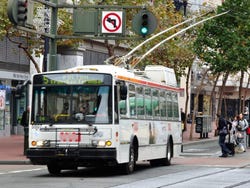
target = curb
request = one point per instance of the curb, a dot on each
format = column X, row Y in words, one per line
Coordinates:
column 187, row 154
column 203, row 140
column 20, row 162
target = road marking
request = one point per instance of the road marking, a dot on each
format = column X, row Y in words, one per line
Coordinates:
column 20, row 171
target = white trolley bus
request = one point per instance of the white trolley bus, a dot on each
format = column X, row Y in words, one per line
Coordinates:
column 104, row 115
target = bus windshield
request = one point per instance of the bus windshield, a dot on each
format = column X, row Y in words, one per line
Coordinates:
column 70, row 103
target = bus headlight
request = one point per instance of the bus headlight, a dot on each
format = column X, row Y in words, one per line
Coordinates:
column 108, row 143
column 41, row 143
column 103, row 143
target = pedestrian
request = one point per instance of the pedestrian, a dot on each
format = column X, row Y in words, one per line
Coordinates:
column 25, row 117
column 233, row 130
column 223, row 131
column 183, row 119
column 65, row 108
column 241, row 131
column 25, row 124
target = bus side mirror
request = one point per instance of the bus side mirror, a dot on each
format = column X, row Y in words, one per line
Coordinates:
column 123, row 92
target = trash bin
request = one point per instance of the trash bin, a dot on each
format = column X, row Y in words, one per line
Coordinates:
column 203, row 125
column 199, row 124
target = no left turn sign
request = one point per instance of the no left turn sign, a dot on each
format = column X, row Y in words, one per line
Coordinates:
column 112, row 22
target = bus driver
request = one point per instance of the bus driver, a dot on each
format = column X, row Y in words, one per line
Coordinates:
column 82, row 112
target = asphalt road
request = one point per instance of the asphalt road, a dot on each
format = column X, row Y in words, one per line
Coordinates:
column 199, row 166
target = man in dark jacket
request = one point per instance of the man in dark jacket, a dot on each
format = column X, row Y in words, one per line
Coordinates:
column 25, row 124
column 25, row 118
column 223, row 131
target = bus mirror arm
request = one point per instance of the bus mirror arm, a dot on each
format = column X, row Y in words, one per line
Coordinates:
column 26, row 82
column 95, row 130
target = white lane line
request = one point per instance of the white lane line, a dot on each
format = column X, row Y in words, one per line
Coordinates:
column 20, row 171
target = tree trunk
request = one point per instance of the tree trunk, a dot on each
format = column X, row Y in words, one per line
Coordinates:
column 240, row 93
column 195, row 103
column 187, row 95
column 25, row 49
column 221, row 92
column 245, row 93
column 212, row 95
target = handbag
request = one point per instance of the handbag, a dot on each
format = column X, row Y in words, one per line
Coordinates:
column 248, row 130
column 240, row 135
column 239, row 127
column 223, row 131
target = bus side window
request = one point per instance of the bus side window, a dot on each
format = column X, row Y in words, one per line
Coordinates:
column 169, row 105
column 163, row 105
column 123, row 107
column 132, row 105
column 140, row 101
column 148, row 103
column 156, row 107
column 132, row 102
column 175, row 106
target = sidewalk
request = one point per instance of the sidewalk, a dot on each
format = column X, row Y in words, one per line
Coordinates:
column 11, row 150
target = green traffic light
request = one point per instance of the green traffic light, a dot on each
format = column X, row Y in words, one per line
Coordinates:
column 144, row 30
column 144, row 23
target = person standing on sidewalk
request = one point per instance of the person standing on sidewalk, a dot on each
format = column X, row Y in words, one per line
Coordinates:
column 25, row 124
column 183, row 119
column 241, row 130
column 223, row 131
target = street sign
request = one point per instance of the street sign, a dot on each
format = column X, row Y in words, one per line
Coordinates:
column 85, row 21
column 112, row 22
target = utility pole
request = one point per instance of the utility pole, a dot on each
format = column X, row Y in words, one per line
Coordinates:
column 52, row 41
column 46, row 39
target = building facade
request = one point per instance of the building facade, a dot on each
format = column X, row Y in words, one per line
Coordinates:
column 14, row 69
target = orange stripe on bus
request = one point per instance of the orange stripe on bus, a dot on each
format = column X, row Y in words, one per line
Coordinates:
column 152, row 84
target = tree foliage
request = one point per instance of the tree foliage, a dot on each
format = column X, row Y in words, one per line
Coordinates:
column 176, row 53
column 224, row 42
column 5, row 24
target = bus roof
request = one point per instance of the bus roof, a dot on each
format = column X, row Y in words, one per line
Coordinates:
column 154, row 75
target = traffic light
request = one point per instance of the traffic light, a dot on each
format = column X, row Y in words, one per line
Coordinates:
column 17, row 11
column 144, row 23
column 22, row 12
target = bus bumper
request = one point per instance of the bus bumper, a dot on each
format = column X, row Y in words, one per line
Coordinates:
column 81, row 157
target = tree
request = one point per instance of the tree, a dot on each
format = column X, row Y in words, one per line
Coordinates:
column 224, row 42
column 7, row 30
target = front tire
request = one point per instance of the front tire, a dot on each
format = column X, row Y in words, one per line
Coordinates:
column 54, row 169
column 129, row 167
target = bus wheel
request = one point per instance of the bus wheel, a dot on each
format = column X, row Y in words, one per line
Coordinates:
column 54, row 169
column 129, row 167
column 167, row 161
